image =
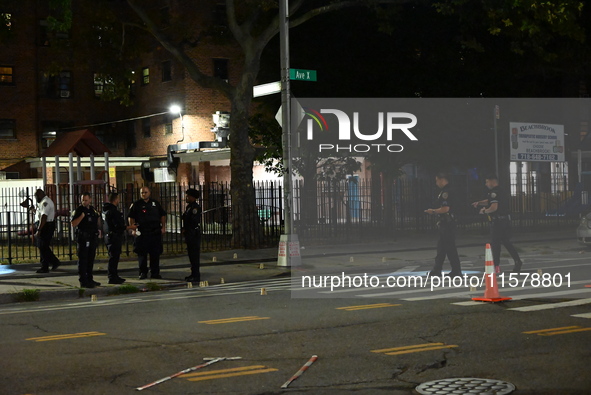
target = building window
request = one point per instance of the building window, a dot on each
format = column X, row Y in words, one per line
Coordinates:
column 220, row 69
column 146, row 127
column 166, row 71
column 6, row 77
column 220, row 18
column 145, row 76
column 103, row 84
column 7, row 128
column 64, row 84
column 45, row 35
column 168, row 124
column 43, row 38
column 99, row 85
column 57, row 86
column 6, row 20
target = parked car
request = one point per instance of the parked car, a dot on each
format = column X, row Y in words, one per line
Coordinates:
column 584, row 228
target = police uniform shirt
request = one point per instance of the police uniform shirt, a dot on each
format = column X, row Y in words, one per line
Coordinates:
column 113, row 219
column 192, row 216
column 89, row 223
column 46, row 206
column 444, row 199
column 494, row 196
column 147, row 214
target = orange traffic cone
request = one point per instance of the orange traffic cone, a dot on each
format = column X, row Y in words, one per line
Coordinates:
column 491, row 294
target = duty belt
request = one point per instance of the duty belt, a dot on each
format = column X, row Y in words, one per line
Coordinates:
column 502, row 217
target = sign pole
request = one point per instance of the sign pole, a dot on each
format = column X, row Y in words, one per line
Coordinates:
column 495, row 117
column 289, row 245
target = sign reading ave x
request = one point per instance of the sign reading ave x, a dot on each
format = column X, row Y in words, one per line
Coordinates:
column 302, row 75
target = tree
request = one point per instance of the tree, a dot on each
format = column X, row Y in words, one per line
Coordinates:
column 252, row 24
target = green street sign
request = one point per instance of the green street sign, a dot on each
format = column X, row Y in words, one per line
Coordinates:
column 302, row 75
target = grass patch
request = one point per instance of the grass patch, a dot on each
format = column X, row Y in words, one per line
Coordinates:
column 150, row 286
column 26, row 295
column 127, row 289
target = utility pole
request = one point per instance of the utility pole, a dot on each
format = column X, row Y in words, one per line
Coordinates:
column 289, row 245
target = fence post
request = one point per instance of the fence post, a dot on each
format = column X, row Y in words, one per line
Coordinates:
column 8, row 223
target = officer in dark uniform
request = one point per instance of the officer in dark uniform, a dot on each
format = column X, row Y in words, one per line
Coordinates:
column 114, row 230
column 500, row 223
column 150, row 218
column 87, row 222
column 446, row 245
column 191, row 228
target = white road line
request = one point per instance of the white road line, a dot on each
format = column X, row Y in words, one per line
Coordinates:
column 552, row 294
column 508, row 292
column 548, row 306
column 584, row 315
column 468, row 303
column 426, row 289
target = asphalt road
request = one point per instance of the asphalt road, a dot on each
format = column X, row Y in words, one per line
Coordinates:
column 366, row 342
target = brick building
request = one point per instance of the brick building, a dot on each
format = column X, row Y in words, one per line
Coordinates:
column 42, row 102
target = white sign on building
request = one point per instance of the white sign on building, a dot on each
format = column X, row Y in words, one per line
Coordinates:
column 536, row 142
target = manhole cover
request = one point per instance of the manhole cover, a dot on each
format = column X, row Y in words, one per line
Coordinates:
column 465, row 386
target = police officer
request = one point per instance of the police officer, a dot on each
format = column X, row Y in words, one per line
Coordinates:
column 191, row 228
column 446, row 224
column 150, row 218
column 45, row 213
column 114, row 229
column 497, row 210
column 87, row 222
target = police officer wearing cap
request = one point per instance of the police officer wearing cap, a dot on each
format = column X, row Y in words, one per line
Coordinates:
column 497, row 210
column 191, row 228
column 45, row 224
column 446, row 224
column 86, row 221
column 114, row 228
column 150, row 218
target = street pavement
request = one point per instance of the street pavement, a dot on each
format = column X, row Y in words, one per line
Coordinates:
column 235, row 266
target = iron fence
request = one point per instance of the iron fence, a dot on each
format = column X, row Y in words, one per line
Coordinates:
column 17, row 222
column 357, row 210
column 337, row 210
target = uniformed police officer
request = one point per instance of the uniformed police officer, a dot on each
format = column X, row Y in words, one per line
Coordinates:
column 114, row 230
column 446, row 224
column 191, row 228
column 497, row 210
column 87, row 221
column 150, row 218
column 45, row 223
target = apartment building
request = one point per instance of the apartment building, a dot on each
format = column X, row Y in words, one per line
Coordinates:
column 49, row 89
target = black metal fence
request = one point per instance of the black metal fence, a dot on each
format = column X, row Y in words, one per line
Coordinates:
column 357, row 210
column 17, row 222
column 340, row 211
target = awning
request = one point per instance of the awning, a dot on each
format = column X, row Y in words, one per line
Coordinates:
column 204, row 156
column 80, row 142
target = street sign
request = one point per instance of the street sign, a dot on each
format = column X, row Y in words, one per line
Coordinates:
column 266, row 89
column 302, row 75
column 296, row 111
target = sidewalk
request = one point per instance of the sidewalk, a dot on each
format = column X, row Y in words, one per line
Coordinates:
column 242, row 265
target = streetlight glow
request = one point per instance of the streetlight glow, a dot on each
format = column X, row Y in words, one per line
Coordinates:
column 175, row 108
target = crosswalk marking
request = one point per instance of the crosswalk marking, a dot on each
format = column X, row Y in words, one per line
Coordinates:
column 65, row 336
column 233, row 319
column 225, row 373
column 548, row 306
column 367, row 306
column 558, row 331
column 414, row 348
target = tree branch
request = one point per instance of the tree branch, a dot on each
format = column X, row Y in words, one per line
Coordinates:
column 196, row 74
column 239, row 33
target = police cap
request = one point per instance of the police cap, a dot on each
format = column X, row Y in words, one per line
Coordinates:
column 193, row 192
